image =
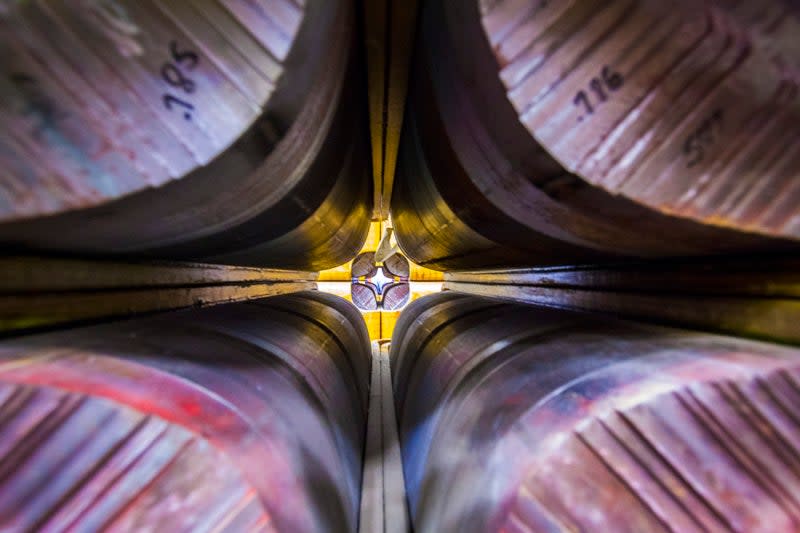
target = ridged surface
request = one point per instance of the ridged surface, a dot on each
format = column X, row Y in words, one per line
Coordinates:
column 774, row 25
column 703, row 125
column 754, row 296
column 502, row 165
column 570, row 422
column 222, row 131
column 83, row 107
column 71, row 461
column 245, row 417
column 719, row 456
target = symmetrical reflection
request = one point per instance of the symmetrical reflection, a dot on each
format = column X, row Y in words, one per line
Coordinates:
column 380, row 287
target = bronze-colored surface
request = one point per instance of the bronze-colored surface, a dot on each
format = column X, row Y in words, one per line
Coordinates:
column 773, row 24
column 155, row 474
column 246, row 417
column 288, row 187
column 522, row 418
column 563, row 166
column 103, row 100
column 497, row 170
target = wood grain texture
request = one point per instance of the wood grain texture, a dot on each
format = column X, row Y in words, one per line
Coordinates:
column 703, row 124
column 389, row 27
column 38, row 292
column 246, row 417
column 545, row 133
column 220, row 131
column 522, row 418
column 747, row 297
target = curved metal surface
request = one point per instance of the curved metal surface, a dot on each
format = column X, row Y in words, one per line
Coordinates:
column 269, row 169
column 518, row 418
column 499, row 168
column 245, row 417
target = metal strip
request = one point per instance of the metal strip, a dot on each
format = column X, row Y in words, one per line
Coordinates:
column 738, row 296
column 389, row 34
column 40, row 292
column 383, row 493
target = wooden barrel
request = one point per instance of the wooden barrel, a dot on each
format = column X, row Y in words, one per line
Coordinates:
column 517, row 418
column 551, row 132
column 243, row 417
column 221, row 131
column 773, row 24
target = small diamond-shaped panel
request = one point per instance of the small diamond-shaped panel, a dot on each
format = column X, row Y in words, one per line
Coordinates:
column 380, row 287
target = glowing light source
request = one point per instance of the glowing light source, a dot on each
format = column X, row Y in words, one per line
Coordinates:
column 380, row 280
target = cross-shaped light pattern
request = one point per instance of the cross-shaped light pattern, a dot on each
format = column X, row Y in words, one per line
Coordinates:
column 380, row 280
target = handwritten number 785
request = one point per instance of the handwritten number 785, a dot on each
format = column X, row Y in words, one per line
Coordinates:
column 174, row 74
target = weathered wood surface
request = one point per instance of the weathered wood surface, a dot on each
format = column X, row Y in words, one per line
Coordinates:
column 543, row 133
column 383, row 491
column 39, row 292
column 757, row 297
column 389, row 27
column 521, row 418
column 245, row 417
column 228, row 132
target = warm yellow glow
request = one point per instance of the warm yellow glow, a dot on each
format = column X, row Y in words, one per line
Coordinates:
column 420, row 273
column 373, row 321
column 339, row 288
column 374, row 236
column 423, row 288
column 388, row 321
column 342, row 272
column 380, row 324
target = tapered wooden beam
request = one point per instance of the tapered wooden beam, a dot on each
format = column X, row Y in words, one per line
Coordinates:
column 389, row 34
column 43, row 292
column 754, row 297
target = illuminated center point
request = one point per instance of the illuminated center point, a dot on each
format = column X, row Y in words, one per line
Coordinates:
column 380, row 280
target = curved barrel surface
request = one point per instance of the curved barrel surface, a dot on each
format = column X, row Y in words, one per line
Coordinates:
column 219, row 131
column 552, row 132
column 244, row 417
column 517, row 418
